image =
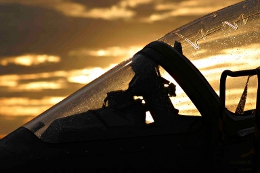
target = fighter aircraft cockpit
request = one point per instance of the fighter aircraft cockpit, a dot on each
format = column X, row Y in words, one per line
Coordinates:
column 135, row 98
column 170, row 86
column 187, row 102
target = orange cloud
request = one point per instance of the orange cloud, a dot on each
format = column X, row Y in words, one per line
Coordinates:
column 174, row 9
column 30, row 59
column 25, row 106
column 85, row 76
column 109, row 13
column 125, row 52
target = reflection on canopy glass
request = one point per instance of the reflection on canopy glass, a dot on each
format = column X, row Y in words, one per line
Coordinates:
column 134, row 95
column 226, row 39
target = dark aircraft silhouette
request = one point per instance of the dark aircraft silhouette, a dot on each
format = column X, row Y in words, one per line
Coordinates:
column 158, row 111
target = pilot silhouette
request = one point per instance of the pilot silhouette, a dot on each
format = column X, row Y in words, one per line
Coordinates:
column 149, row 84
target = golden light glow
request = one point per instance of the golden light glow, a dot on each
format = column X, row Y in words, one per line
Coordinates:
column 181, row 102
column 185, row 106
column 12, row 81
column 9, row 80
column 234, row 59
column 17, row 106
column 30, row 59
column 148, row 118
column 39, row 86
column 101, row 53
column 22, row 110
column 181, row 12
column 87, row 75
column 133, row 3
column 124, row 52
column 238, row 58
column 28, row 101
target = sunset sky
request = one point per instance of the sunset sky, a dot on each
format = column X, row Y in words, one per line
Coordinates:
column 51, row 48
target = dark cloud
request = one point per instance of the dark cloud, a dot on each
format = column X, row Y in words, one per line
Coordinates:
column 144, row 10
column 9, row 124
column 97, row 3
column 4, row 90
column 28, row 29
column 38, row 30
